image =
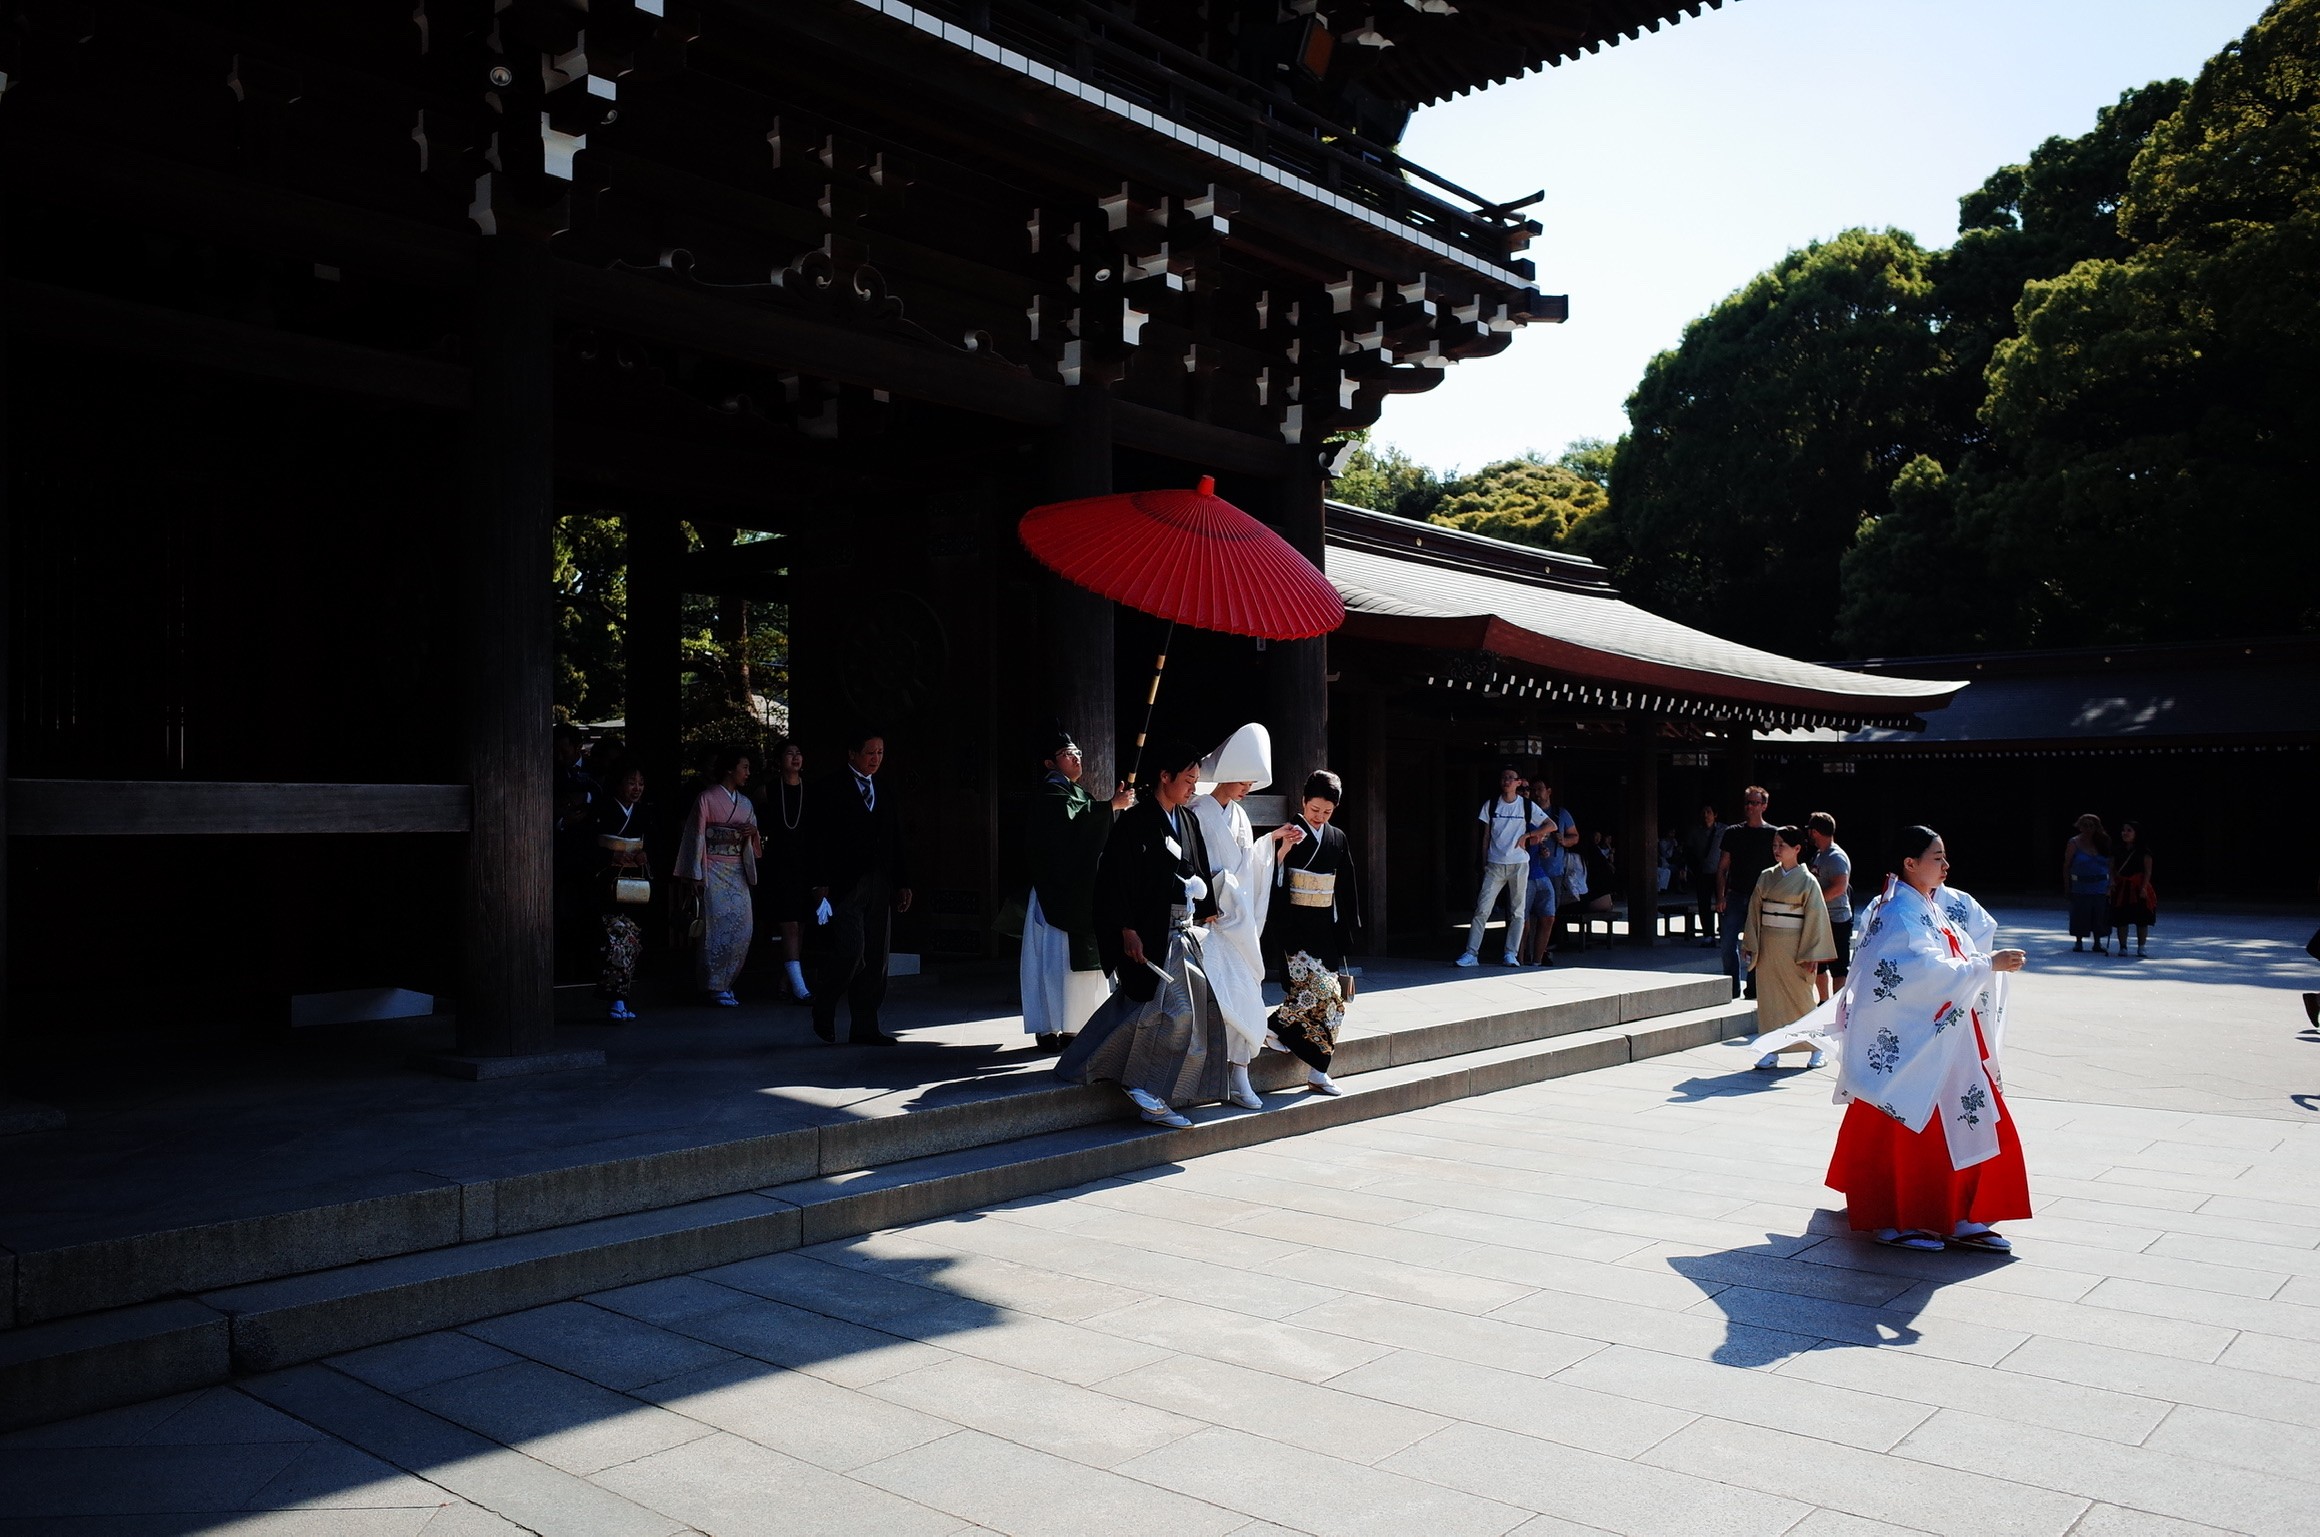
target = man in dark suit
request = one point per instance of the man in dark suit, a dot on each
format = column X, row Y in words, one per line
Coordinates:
column 856, row 862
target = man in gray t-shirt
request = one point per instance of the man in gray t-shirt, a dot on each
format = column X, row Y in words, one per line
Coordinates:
column 1833, row 868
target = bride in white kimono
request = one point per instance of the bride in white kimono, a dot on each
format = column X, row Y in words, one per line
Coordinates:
column 1242, row 883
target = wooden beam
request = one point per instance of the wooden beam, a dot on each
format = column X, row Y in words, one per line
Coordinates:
column 780, row 338
column 233, row 211
column 146, row 330
column 97, row 808
column 1211, row 447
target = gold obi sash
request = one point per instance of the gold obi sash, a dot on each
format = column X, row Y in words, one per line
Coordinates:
column 1312, row 888
column 726, row 839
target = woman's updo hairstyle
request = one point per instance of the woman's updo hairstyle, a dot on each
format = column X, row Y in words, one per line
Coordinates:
column 1912, row 844
column 1792, row 836
column 1322, row 785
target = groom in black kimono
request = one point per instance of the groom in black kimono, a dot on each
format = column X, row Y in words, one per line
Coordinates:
column 1163, row 1048
column 1154, row 846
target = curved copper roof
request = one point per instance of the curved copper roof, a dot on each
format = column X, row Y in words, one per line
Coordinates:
column 1422, row 584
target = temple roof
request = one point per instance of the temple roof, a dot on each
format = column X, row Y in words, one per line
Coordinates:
column 1473, row 43
column 1420, row 584
column 2113, row 698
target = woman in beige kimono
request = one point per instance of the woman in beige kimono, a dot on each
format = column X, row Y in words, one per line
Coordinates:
column 1785, row 940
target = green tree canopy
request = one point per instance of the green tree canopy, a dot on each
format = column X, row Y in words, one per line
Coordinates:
column 1384, row 479
column 1530, row 500
column 2147, row 467
column 1761, row 443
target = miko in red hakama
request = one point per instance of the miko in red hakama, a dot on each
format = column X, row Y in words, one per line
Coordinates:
column 1892, row 1177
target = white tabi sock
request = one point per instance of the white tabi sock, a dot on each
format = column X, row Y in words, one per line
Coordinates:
column 1146, row 1102
column 797, row 978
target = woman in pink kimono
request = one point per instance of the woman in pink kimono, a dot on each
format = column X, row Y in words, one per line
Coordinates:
column 717, row 851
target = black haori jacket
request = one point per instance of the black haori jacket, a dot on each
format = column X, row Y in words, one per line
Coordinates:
column 1139, row 880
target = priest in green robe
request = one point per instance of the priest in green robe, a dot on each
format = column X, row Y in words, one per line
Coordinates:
column 1061, row 972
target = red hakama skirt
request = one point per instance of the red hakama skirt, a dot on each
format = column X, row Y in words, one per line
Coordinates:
column 1894, row 1178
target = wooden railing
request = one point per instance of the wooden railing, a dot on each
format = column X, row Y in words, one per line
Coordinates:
column 1096, row 46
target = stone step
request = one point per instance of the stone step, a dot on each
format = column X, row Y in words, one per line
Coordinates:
column 300, row 1232
column 56, row 1369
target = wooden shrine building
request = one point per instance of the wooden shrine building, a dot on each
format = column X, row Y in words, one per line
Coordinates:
column 316, row 316
column 2207, row 746
column 1462, row 652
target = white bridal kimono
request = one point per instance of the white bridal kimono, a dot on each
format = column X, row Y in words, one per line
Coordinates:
column 1903, row 1022
column 1230, row 948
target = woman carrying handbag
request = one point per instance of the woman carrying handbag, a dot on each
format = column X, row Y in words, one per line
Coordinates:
column 624, row 888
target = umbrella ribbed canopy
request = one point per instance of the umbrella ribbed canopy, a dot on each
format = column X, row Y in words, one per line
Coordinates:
column 1187, row 556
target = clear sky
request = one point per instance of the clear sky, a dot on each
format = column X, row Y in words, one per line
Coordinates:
column 1680, row 164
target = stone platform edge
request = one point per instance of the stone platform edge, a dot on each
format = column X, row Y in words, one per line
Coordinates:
column 78, row 1365
column 421, row 1210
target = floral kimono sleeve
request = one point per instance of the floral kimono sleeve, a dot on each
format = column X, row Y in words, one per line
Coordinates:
column 1907, row 1028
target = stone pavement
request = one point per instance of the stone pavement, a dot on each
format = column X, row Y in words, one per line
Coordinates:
column 1616, row 1302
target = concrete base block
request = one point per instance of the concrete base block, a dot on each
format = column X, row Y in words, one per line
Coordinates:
column 302, row 1318
column 1683, row 1034
column 80, row 1365
column 318, row 1235
column 1608, row 1050
column 616, row 1186
column 1675, row 995
column 18, row 1116
column 476, row 1068
column 928, row 1133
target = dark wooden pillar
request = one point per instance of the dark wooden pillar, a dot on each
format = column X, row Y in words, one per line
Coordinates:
column 1077, row 689
column 506, row 999
column 655, row 649
column 1297, row 671
column 1640, row 855
column 7, row 542
column 1376, row 864
column 1739, row 769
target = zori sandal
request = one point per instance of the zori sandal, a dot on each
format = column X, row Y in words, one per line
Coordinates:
column 1916, row 1238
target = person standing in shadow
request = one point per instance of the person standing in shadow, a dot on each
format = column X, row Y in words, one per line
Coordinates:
column 856, row 862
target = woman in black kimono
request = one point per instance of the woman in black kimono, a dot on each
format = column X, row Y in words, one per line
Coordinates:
column 1310, row 926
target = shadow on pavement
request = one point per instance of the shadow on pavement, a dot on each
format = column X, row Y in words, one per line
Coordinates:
column 763, row 1349
column 1824, row 1286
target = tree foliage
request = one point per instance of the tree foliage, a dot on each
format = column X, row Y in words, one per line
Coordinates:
column 1530, row 499
column 733, row 657
column 2091, row 419
column 2148, row 429
column 1759, row 445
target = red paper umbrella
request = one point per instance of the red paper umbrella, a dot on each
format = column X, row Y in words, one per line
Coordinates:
column 1189, row 557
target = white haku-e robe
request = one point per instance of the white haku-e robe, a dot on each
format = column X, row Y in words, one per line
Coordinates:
column 1056, row 999
column 1231, row 948
column 1903, row 1024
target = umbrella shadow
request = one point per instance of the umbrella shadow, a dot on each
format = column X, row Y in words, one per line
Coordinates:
column 1824, row 1288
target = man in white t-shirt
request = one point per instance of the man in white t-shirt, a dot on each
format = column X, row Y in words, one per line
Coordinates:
column 1509, row 826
